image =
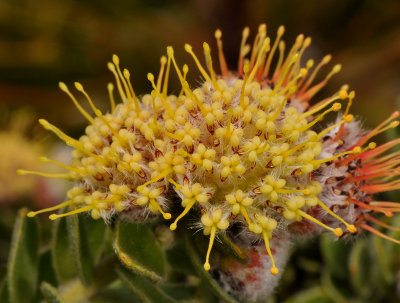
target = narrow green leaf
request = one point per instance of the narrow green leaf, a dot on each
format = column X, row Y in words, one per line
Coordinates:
column 145, row 290
column 97, row 236
column 359, row 268
column 23, row 259
column 80, row 250
column 333, row 288
column 61, row 257
column 138, row 249
column 50, row 293
column 335, row 254
column 178, row 259
column 213, row 285
column 179, row 291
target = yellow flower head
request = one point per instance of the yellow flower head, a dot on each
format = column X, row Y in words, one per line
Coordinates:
column 242, row 147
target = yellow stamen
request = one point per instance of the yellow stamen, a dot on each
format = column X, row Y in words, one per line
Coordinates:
column 127, row 75
column 165, row 215
column 76, row 211
column 159, row 177
column 184, row 83
column 246, row 217
column 207, row 54
column 24, row 172
column 166, row 78
column 274, row 270
column 115, row 60
column 280, row 59
column 188, row 48
column 45, row 210
column 163, row 61
column 258, row 40
column 345, row 119
column 323, row 62
column 185, row 70
column 174, row 225
column 210, row 245
column 97, row 112
column 222, row 61
column 84, row 113
column 246, row 70
column 335, row 107
column 112, row 69
column 244, row 49
column 264, row 49
column 341, row 95
column 74, row 169
column 337, row 231
column 356, row 150
column 286, row 69
column 177, row 186
column 279, row 34
column 350, row 227
column 110, row 88
column 150, row 77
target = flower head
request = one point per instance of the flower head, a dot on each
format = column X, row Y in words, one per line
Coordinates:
column 242, row 147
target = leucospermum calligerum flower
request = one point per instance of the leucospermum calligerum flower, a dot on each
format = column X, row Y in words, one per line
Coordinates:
column 247, row 148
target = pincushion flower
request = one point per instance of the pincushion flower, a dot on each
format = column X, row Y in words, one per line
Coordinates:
column 247, row 148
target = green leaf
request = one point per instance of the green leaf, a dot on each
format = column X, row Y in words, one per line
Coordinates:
column 24, row 259
column 62, row 261
column 138, row 249
column 179, row 291
column 312, row 295
column 97, row 235
column 178, row 259
column 50, row 293
column 145, row 290
column 46, row 271
column 80, row 250
column 212, row 284
column 333, row 288
column 335, row 255
column 359, row 268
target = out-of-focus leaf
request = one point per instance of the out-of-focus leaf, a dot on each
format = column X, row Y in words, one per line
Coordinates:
column 383, row 263
column 24, row 259
column 80, row 250
column 145, row 290
column 51, row 294
column 335, row 255
column 178, row 259
column 212, row 284
column 359, row 269
column 121, row 295
column 312, row 295
column 137, row 248
column 46, row 271
column 179, row 291
column 333, row 289
column 97, row 235
column 61, row 257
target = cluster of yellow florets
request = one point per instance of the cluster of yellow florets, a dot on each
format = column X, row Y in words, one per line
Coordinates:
column 240, row 147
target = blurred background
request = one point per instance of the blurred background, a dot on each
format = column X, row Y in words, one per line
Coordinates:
column 43, row 42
